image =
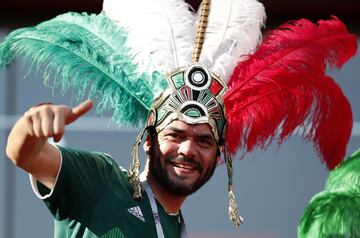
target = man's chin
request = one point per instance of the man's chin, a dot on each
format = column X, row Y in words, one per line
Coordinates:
column 182, row 189
column 182, row 185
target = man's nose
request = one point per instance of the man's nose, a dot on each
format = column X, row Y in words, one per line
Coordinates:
column 187, row 148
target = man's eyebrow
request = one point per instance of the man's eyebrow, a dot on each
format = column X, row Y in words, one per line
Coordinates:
column 173, row 129
column 206, row 137
column 203, row 136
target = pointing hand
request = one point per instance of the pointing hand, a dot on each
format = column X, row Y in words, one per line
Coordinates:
column 49, row 120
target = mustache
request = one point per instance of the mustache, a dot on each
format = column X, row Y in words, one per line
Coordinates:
column 182, row 159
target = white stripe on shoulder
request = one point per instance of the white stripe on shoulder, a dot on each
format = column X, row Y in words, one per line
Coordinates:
column 33, row 180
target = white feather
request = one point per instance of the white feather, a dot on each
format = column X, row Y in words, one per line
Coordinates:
column 233, row 31
column 161, row 33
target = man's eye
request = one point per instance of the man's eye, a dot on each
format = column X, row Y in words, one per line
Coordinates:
column 205, row 142
column 173, row 135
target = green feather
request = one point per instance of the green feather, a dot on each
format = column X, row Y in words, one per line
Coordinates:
column 331, row 215
column 346, row 177
column 335, row 212
column 87, row 53
column 64, row 24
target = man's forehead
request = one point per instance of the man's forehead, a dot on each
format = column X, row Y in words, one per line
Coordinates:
column 202, row 128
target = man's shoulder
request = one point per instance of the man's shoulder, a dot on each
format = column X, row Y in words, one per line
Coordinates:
column 111, row 161
column 93, row 161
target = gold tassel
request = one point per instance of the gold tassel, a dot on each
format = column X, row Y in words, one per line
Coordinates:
column 135, row 168
column 200, row 34
column 233, row 209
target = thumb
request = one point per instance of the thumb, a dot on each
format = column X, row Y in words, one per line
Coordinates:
column 79, row 111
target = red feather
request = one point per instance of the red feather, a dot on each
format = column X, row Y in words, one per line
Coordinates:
column 284, row 85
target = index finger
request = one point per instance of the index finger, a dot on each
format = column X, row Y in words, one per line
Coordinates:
column 79, row 110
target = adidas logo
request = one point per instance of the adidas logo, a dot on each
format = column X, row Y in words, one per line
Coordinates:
column 136, row 211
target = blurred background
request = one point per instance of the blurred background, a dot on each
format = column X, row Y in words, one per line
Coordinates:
column 272, row 187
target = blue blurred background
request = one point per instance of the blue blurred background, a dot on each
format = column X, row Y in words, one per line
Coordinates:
column 272, row 187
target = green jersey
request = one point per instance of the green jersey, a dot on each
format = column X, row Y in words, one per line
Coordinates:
column 93, row 198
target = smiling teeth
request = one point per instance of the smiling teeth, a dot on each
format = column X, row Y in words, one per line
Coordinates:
column 184, row 166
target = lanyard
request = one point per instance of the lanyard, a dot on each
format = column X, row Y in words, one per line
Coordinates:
column 156, row 216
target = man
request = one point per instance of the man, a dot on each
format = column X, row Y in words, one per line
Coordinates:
column 89, row 195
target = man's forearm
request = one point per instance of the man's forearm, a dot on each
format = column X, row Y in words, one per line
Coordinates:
column 27, row 145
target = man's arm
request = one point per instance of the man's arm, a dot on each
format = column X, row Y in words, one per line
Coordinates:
column 27, row 145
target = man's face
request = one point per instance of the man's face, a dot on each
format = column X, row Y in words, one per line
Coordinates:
column 183, row 157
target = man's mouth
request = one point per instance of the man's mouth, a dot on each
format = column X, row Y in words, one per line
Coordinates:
column 185, row 169
column 184, row 166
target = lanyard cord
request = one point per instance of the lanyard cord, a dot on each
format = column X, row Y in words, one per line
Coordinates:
column 156, row 215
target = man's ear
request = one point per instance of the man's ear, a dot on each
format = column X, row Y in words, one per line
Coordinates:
column 147, row 145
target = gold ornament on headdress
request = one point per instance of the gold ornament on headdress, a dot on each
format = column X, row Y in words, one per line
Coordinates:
column 200, row 34
column 233, row 210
